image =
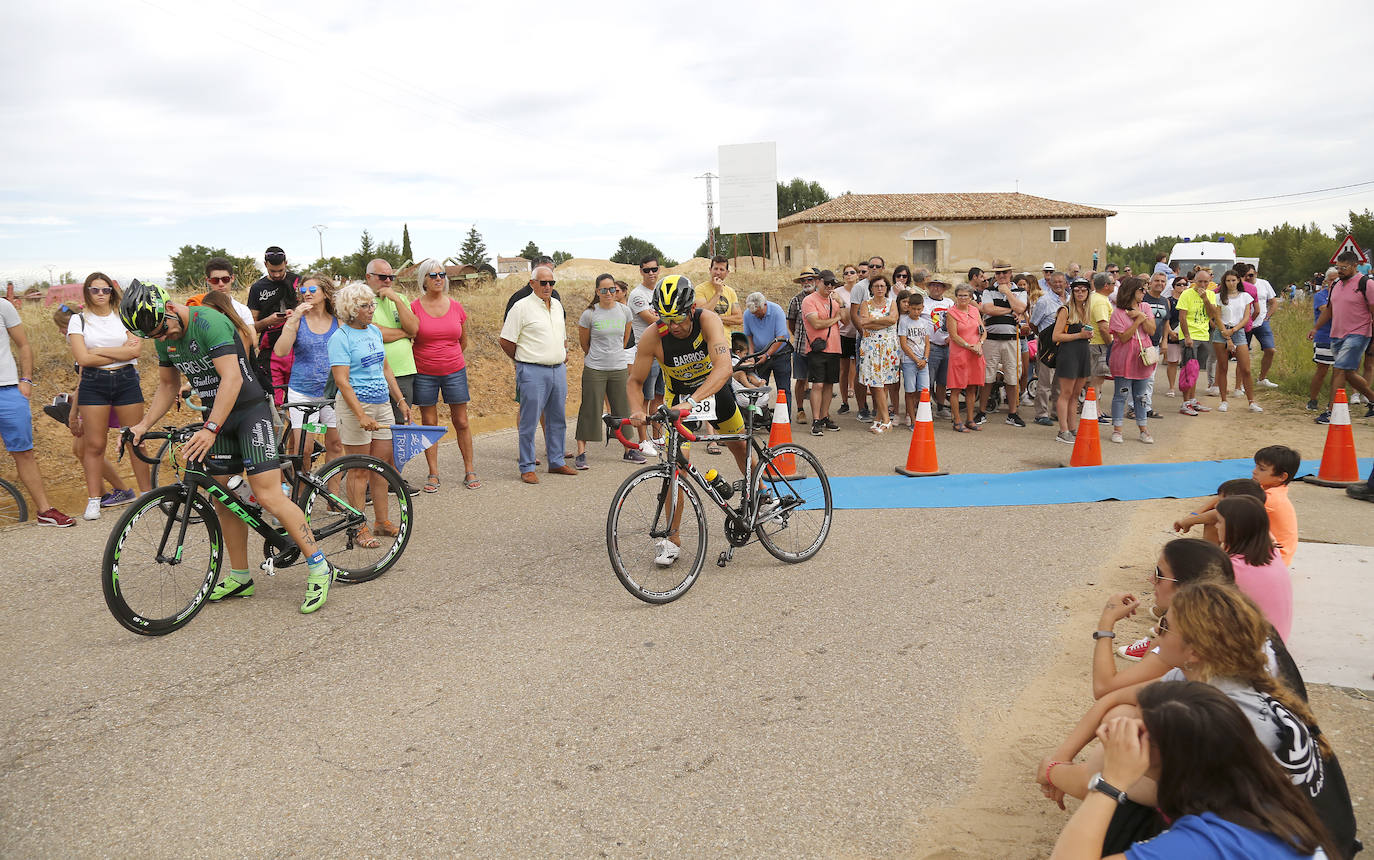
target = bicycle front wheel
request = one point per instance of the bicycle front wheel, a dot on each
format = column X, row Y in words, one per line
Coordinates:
column 155, row 579
column 796, row 509
column 650, row 565
column 337, row 502
column 13, row 508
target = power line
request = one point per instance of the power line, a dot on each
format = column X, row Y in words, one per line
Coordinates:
column 1241, row 209
column 1228, row 202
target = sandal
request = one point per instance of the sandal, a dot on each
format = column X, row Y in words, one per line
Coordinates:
column 713, row 448
column 432, row 484
column 470, row 480
column 386, row 527
column 974, row 426
column 365, row 539
column 959, row 427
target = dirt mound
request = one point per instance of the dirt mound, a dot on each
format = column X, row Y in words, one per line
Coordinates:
column 586, row 268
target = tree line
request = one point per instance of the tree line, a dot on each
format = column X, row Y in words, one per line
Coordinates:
column 1288, row 254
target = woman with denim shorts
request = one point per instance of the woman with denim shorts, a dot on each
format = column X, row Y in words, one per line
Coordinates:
column 305, row 335
column 108, row 357
column 1236, row 308
column 441, row 367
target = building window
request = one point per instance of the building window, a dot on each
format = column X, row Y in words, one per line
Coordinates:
column 923, row 254
column 1059, row 234
column 787, row 254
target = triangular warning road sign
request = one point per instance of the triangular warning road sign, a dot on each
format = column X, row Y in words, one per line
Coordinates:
column 1350, row 245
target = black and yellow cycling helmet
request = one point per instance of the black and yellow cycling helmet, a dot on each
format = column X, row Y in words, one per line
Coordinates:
column 674, row 297
column 143, row 308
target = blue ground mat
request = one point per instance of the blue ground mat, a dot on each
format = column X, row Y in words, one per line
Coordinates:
column 1126, row 483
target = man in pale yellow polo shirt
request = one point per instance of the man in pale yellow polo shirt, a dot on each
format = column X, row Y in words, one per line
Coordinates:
column 535, row 335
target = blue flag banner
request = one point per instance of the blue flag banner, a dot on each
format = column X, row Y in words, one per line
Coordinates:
column 407, row 440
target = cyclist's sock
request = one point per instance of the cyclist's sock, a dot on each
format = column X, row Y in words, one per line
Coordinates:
column 239, row 575
column 317, row 564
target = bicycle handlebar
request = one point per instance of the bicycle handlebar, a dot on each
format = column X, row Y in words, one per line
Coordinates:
column 664, row 415
column 126, row 437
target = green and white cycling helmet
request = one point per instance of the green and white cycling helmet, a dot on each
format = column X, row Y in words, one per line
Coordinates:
column 143, row 308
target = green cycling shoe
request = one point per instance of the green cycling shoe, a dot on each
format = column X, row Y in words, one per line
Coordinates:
column 231, row 587
column 316, row 590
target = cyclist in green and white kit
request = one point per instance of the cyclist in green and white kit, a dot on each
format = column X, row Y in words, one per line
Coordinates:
column 203, row 345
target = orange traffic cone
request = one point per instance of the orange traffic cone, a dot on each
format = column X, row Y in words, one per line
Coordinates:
column 921, row 461
column 781, row 434
column 1087, row 446
column 1339, row 467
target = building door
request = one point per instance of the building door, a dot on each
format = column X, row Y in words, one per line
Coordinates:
column 923, row 254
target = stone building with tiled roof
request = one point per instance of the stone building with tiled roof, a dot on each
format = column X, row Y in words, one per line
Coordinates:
column 943, row 232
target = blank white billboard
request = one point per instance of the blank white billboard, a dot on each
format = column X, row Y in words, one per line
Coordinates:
column 748, row 187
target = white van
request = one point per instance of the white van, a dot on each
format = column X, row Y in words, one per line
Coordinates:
column 1217, row 256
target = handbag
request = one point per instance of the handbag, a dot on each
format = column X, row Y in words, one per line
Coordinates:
column 1149, row 353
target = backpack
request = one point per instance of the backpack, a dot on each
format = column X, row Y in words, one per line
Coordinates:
column 1046, row 350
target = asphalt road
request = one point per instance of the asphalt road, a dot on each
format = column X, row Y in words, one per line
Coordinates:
column 498, row 692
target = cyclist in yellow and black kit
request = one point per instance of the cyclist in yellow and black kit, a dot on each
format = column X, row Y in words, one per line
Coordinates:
column 691, row 346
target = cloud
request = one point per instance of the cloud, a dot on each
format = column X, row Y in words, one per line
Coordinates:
column 243, row 123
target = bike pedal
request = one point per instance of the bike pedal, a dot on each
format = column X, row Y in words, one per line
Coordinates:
column 721, row 561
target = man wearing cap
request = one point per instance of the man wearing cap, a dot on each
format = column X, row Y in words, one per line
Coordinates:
column 1000, row 304
column 821, row 315
column 1042, row 318
column 1047, row 270
column 807, row 279
column 398, row 325
column 270, row 300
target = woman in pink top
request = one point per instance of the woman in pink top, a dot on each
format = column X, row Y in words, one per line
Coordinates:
column 440, row 366
column 1243, row 528
column 966, row 366
column 1131, row 326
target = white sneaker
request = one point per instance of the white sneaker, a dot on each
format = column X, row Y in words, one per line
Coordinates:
column 1214, row 392
column 1221, row 407
column 667, row 553
column 1116, row 436
column 1267, row 384
column 1255, row 407
column 92, row 510
column 1237, row 392
column 1027, row 400
column 1171, row 393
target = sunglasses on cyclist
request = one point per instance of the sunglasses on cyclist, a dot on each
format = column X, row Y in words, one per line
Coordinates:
column 215, row 282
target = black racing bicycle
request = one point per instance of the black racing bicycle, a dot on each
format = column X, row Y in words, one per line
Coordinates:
column 163, row 556
column 656, row 531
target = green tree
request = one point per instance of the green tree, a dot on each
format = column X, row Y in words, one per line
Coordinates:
column 633, row 249
column 406, row 254
column 531, row 251
column 474, row 250
column 390, row 252
column 333, row 266
column 188, row 266
column 560, row 257
column 799, row 195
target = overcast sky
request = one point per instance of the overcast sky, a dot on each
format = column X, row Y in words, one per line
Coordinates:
column 132, row 128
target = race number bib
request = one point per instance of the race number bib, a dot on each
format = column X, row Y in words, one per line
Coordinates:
column 703, row 411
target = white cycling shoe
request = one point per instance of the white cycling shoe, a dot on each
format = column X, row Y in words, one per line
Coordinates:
column 667, row 553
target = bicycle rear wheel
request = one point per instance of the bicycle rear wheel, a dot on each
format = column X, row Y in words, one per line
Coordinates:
column 797, row 527
column 13, row 508
column 636, row 530
column 336, row 504
column 154, row 584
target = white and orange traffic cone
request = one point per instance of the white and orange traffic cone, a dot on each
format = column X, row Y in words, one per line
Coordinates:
column 1339, row 466
column 1087, row 445
column 784, row 466
column 921, row 461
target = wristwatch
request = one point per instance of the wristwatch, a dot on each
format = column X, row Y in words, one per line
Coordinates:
column 691, row 402
column 1104, row 634
column 1098, row 784
column 212, row 427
